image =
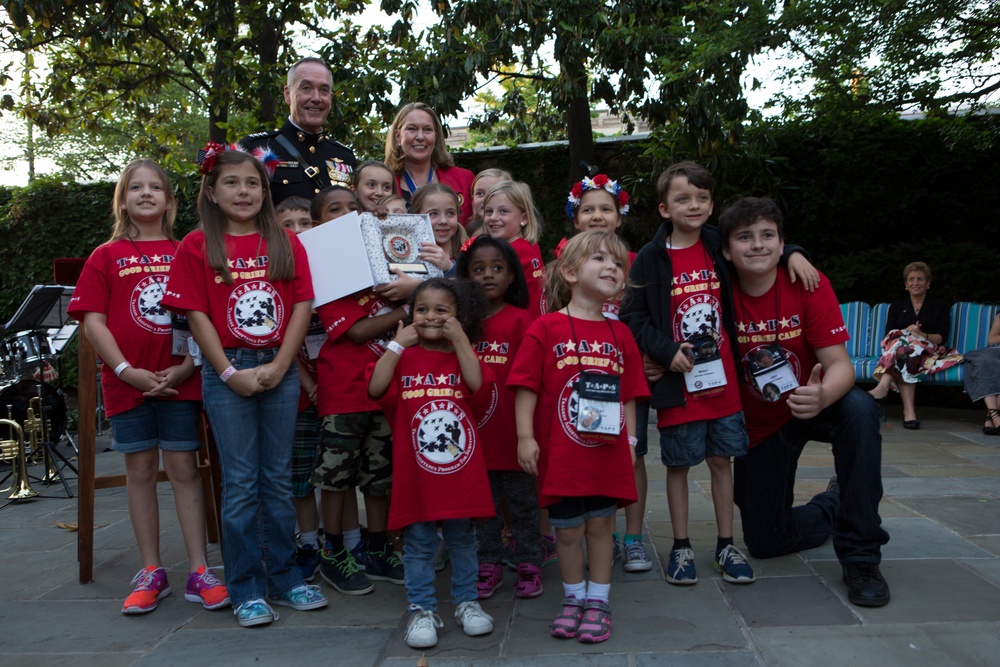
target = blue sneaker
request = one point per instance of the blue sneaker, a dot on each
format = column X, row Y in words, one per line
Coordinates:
column 302, row 598
column 255, row 612
column 733, row 566
column 307, row 558
column 680, row 568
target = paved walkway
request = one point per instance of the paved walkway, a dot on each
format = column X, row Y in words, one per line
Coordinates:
column 942, row 496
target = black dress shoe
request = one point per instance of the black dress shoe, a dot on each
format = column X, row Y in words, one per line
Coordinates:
column 865, row 585
column 911, row 424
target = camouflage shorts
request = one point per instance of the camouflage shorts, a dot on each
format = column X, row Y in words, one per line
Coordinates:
column 355, row 449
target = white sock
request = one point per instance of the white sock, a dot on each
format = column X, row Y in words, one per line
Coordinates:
column 598, row 591
column 578, row 591
column 351, row 538
column 310, row 537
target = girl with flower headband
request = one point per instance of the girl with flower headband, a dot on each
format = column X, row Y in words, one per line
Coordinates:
column 597, row 203
column 150, row 391
column 243, row 281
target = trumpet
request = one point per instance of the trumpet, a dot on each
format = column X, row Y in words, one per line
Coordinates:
column 36, row 429
column 13, row 450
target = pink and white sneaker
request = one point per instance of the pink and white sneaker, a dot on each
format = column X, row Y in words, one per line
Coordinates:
column 490, row 579
column 529, row 581
column 595, row 626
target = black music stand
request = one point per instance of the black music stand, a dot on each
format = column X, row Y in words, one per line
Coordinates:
column 45, row 308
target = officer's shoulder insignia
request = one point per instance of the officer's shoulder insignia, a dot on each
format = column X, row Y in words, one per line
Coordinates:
column 266, row 134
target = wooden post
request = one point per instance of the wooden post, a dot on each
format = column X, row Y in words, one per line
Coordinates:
column 87, row 428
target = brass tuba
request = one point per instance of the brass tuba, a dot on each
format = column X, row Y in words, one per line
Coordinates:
column 13, row 450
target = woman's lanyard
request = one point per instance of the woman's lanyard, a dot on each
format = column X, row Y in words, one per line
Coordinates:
column 410, row 185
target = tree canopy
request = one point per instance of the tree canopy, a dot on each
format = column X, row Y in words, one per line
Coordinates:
column 160, row 77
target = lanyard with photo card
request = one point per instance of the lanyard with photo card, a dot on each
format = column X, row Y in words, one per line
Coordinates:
column 769, row 367
column 771, row 372
column 315, row 337
column 708, row 371
column 598, row 396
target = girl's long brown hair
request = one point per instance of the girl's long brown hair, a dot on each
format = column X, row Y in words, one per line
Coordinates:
column 280, row 263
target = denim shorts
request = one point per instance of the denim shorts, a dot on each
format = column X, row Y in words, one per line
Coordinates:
column 574, row 511
column 687, row 445
column 171, row 424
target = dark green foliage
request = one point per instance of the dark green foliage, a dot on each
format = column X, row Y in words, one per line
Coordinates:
column 865, row 196
column 50, row 219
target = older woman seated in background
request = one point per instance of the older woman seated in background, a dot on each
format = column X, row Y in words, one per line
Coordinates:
column 982, row 378
column 416, row 154
column 914, row 344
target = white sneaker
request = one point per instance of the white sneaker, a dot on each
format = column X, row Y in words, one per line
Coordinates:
column 473, row 620
column 421, row 631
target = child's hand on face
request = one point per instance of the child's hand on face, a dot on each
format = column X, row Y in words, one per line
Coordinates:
column 406, row 335
column 432, row 252
column 454, row 332
column 681, row 362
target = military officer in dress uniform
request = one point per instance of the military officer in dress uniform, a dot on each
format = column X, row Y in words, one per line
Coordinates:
column 310, row 160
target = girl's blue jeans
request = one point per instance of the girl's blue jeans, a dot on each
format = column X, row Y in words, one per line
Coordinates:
column 254, row 439
column 418, row 561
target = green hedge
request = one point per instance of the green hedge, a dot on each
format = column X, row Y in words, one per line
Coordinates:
column 865, row 196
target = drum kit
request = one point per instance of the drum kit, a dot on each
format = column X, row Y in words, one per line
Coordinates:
column 33, row 413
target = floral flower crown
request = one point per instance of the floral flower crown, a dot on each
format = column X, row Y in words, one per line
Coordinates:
column 599, row 182
column 208, row 154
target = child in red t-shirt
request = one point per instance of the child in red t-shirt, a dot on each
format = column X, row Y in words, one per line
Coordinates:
column 509, row 214
column 244, row 283
column 601, row 204
column 431, row 386
column 150, row 391
column 577, row 377
column 493, row 265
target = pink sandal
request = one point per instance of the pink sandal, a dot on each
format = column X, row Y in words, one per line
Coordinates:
column 568, row 619
column 596, row 623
